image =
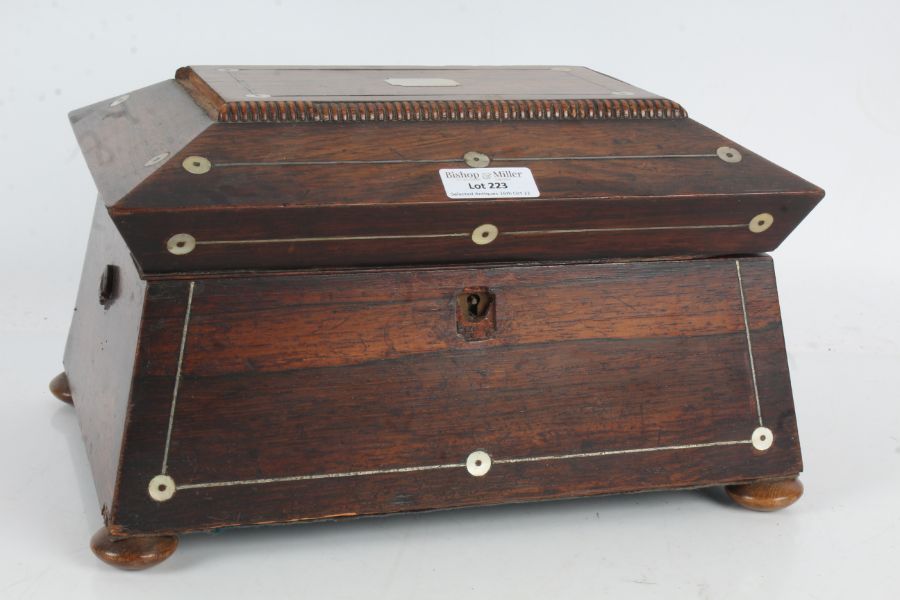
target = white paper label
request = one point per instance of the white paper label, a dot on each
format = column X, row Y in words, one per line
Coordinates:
column 499, row 182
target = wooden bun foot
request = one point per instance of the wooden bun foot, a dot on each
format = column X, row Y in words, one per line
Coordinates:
column 132, row 553
column 766, row 495
column 59, row 387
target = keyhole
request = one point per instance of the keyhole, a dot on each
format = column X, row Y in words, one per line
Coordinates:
column 472, row 303
column 477, row 305
column 475, row 313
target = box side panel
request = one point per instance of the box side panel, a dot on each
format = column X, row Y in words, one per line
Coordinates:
column 302, row 397
column 100, row 352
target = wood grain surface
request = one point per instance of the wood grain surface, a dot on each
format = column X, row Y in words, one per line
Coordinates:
column 283, row 197
column 132, row 553
column 318, row 395
column 766, row 495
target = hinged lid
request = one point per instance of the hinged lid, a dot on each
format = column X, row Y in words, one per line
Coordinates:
column 292, row 167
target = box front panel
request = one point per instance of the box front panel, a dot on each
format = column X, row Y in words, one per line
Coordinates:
column 296, row 397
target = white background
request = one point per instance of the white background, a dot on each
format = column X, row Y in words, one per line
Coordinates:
column 813, row 86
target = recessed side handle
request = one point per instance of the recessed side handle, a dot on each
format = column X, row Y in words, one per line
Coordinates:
column 109, row 285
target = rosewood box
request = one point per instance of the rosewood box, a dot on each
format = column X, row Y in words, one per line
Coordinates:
column 320, row 293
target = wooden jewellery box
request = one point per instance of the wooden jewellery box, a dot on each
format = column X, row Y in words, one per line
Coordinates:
column 322, row 293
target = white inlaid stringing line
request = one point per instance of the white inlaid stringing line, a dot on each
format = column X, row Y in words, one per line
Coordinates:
column 303, row 163
column 452, row 235
column 615, row 452
column 459, row 465
column 606, row 157
column 737, row 265
column 413, row 161
column 240, row 82
column 604, row 229
column 321, row 476
column 184, row 331
column 340, row 238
